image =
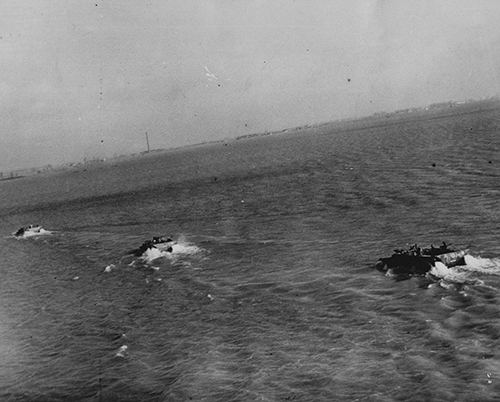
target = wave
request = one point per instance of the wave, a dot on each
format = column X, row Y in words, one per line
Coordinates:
column 109, row 268
column 489, row 266
column 467, row 273
column 184, row 248
column 122, row 351
column 152, row 254
column 449, row 276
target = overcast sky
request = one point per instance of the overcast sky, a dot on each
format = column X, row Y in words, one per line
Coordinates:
column 88, row 78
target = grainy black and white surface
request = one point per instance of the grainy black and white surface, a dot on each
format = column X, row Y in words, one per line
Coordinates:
column 270, row 293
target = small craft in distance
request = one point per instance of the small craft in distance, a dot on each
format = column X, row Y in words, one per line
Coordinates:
column 161, row 243
column 30, row 230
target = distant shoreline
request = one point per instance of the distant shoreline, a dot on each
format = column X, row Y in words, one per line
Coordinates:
column 381, row 119
column 11, row 178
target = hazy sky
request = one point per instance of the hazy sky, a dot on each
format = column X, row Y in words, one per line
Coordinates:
column 88, row 78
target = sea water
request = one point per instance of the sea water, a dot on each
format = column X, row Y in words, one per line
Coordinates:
column 270, row 292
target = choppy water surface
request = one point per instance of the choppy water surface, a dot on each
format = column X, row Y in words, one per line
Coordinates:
column 270, row 293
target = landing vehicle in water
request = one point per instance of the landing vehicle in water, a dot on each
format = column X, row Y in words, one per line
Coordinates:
column 419, row 261
column 160, row 242
column 31, row 230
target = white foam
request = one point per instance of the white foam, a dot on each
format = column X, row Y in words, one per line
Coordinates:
column 122, row 351
column 185, row 248
column 453, row 274
column 446, row 285
column 465, row 273
column 489, row 266
column 109, row 268
column 152, row 254
column 440, row 270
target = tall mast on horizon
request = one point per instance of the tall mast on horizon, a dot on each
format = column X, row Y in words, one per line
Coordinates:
column 147, row 140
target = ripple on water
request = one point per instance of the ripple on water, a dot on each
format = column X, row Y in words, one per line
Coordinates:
column 296, row 309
